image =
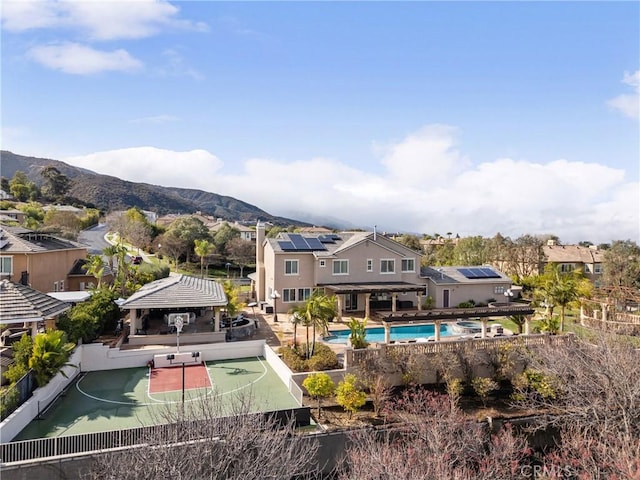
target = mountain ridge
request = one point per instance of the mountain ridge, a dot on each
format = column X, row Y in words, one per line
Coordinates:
column 110, row 193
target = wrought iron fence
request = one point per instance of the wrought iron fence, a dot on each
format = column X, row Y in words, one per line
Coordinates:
column 15, row 395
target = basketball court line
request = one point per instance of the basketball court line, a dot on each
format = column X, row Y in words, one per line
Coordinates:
column 155, row 401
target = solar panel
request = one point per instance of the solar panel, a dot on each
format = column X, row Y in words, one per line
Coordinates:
column 314, row 243
column 466, row 272
column 286, row 246
column 490, row 273
column 298, row 241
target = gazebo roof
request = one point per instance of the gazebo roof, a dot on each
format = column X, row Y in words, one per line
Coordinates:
column 19, row 303
column 177, row 291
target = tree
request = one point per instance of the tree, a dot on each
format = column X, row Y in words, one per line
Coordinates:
column 50, row 353
column 483, row 386
column 203, row 248
column 242, row 252
column 22, row 188
column 596, row 406
column 410, row 241
column 189, row 229
column 470, row 251
column 223, row 236
column 56, row 185
column 34, row 215
column 621, row 265
column 319, row 385
column 358, row 333
column 349, row 396
column 172, row 246
column 433, row 441
column 22, row 350
column 205, row 440
column 95, row 267
column 314, row 313
column 561, row 289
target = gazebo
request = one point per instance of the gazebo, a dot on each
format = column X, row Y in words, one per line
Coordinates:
column 24, row 306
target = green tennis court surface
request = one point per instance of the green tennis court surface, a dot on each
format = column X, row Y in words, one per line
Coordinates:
column 120, row 399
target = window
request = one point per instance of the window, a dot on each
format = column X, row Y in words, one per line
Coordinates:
column 408, row 265
column 62, row 285
column 566, row 267
column 341, row 267
column 288, row 295
column 291, row 267
column 6, row 265
column 369, row 264
column 323, row 263
column 304, row 294
column 499, row 289
column 387, row 265
column 55, row 286
column 82, row 286
column 587, row 268
column 597, row 268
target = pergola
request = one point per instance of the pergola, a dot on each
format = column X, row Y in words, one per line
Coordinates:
column 436, row 316
column 370, row 288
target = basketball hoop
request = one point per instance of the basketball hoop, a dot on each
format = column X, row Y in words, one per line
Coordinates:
column 179, row 323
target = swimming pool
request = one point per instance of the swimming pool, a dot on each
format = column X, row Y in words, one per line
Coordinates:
column 404, row 332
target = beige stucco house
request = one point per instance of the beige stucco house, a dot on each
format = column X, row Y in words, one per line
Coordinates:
column 40, row 260
column 363, row 270
column 568, row 258
column 450, row 286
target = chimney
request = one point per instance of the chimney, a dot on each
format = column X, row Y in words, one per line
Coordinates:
column 374, row 232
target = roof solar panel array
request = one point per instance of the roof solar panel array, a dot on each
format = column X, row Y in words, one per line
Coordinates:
column 475, row 273
column 298, row 243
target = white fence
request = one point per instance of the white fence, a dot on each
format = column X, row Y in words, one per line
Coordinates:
column 283, row 372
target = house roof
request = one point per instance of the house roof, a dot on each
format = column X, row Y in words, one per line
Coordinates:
column 80, row 268
column 22, row 240
column 571, row 254
column 447, row 275
column 177, row 291
column 19, row 303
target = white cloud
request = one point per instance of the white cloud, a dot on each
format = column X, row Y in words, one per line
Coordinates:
column 574, row 200
column 628, row 104
column 82, row 60
column 98, row 19
column 154, row 165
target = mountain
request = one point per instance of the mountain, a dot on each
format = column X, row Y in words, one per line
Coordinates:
column 111, row 193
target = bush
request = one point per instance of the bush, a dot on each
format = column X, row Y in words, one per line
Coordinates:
column 323, row 359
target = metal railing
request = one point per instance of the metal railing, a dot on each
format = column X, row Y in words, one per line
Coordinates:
column 15, row 395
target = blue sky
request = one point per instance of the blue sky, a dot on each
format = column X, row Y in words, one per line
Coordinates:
column 464, row 117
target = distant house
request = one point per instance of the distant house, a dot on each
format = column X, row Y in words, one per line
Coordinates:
column 569, row 258
column 450, row 286
column 246, row 233
column 12, row 216
column 40, row 260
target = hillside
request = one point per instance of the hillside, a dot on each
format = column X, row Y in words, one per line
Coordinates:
column 111, row 193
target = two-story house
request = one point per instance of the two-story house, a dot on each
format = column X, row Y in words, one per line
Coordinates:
column 40, row 260
column 364, row 270
column 568, row 258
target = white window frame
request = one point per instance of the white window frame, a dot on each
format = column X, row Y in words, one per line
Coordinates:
column 567, row 267
column 388, row 262
column 411, row 265
column 597, row 268
column 587, row 268
column 4, row 261
column 369, row 264
column 341, row 262
column 288, row 295
column 304, row 294
column 289, row 266
column 55, row 286
column 499, row 289
column 323, row 263
column 62, row 285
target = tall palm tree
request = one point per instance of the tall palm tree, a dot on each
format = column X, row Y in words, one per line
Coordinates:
column 561, row 289
column 203, row 248
column 110, row 252
column 316, row 313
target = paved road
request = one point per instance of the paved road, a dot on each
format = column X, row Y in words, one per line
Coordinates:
column 94, row 238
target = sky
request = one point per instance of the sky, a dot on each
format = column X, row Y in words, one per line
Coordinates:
column 470, row 118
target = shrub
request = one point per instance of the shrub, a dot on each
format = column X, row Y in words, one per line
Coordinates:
column 323, row 358
column 483, row 386
column 319, row 386
column 349, row 396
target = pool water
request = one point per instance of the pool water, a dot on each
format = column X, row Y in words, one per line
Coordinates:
column 405, row 332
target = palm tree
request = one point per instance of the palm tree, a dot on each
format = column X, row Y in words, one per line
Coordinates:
column 316, row 313
column 296, row 316
column 110, row 252
column 95, row 267
column 50, row 353
column 562, row 288
column 203, row 248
